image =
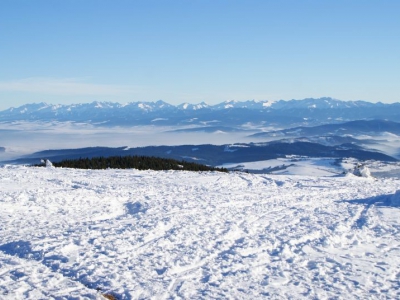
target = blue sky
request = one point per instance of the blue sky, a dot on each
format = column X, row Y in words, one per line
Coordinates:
column 198, row 50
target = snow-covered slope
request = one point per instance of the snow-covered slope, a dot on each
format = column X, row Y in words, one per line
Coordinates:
column 297, row 165
column 77, row 234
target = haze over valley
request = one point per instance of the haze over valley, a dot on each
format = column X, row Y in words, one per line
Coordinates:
column 242, row 132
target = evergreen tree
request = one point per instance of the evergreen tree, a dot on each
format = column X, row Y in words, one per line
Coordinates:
column 134, row 162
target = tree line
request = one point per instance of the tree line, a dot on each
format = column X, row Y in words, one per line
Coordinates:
column 133, row 162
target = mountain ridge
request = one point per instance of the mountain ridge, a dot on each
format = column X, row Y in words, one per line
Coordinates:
column 309, row 111
column 344, row 129
column 215, row 155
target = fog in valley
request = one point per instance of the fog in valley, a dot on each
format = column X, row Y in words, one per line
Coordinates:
column 26, row 137
column 21, row 138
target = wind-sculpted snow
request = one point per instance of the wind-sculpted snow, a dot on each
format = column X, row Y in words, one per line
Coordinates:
column 78, row 234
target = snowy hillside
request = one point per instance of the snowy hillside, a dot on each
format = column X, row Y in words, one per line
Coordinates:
column 297, row 165
column 79, row 234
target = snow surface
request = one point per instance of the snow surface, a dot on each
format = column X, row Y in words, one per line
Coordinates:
column 291, row 166
column 316, row 166
column 77, row 234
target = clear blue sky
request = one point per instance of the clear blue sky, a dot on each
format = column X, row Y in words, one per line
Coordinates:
column 198, row 50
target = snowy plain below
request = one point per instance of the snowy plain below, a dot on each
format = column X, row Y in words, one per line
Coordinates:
column 316, row 166
column 81, row 234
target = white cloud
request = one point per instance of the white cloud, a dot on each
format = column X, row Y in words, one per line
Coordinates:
column 63, row 86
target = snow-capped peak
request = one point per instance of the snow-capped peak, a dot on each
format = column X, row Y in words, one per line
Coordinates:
column 189, row 106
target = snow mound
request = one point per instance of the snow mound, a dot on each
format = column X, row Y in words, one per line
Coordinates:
column 362, row 171
column 47, row 163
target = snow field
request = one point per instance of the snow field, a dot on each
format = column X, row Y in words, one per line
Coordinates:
column 291, row 166
column 77, row 234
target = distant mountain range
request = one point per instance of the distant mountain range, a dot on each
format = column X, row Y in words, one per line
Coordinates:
column 229, row 113
column 358, row 127
column 214, row 155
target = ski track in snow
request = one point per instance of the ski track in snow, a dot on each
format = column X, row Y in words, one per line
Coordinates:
column 77, row 234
